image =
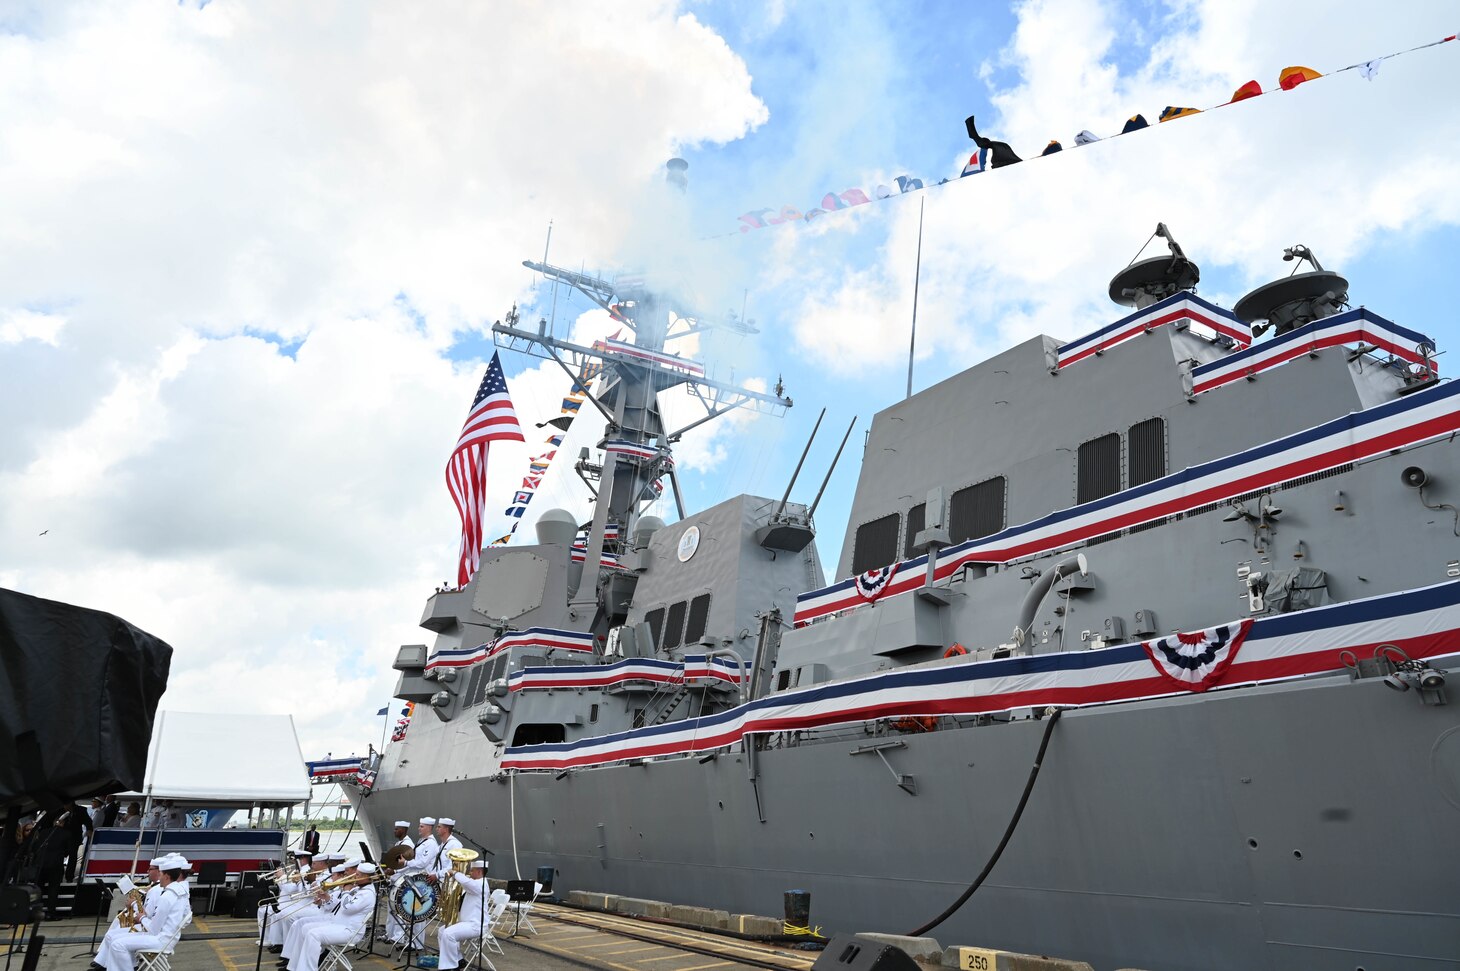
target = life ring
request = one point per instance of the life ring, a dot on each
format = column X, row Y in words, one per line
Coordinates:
column 955, row 651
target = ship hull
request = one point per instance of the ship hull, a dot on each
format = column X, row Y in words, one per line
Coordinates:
column 1307, row 824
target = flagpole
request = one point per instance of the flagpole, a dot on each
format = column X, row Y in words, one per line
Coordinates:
column 917, row 277
column 384, row 726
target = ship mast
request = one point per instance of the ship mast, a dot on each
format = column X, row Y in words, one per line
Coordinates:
column 633, row 375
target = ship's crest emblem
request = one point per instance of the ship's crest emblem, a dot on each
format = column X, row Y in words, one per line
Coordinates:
column 873, row 583
column 1198, row 660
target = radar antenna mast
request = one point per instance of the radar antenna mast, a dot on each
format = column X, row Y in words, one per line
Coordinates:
column 637, row 446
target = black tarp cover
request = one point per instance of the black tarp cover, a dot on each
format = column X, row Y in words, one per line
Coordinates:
column 78, row 691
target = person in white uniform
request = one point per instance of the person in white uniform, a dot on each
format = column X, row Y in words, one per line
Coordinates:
column 154, row 932
column 445, row 843
column 422, row 863
column 289, row 891
column 346, row 921
column 304, row 903
column 149, row 907
column 473, row 912
column 325, row 900
column 393, row 930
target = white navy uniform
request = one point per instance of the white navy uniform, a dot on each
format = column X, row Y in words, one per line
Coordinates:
column 291, row 895
column 393, row 929
column 469, row 926
column 306, row 918
column 346, row 922
column 120, row 952
column 423, row 862
column 149, row 907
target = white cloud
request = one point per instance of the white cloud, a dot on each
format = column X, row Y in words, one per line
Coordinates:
column 1337, row 164
column 266, row 224
column 18, row 324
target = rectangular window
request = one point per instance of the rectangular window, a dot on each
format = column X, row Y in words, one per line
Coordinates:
column 655, row 620
column 876, row 544
column 699, row 616
column 1146, row 451
column 916, row 519
column 674, row 626
column 977, row 510
column 1097, row 472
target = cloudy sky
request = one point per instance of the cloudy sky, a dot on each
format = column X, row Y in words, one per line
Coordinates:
column 250, row 253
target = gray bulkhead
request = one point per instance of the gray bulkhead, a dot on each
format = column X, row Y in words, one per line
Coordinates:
column 1011, row 417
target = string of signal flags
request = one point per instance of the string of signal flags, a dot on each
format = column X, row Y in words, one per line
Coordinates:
column 992, row 154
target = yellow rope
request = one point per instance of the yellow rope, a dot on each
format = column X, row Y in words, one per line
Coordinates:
column 791, row 930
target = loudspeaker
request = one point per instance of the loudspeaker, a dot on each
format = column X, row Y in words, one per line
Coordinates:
column 246, row 902
column 86, row 900
column 847, row 952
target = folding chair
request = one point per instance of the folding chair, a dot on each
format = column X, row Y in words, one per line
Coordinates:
column 334, row 954
column 496, row 906
column 161, row 959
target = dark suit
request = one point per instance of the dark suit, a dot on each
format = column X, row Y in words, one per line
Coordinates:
column 76, row 825
column 109, row 813
column 311, row 840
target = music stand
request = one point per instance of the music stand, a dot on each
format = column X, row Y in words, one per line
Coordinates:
column 520, row 892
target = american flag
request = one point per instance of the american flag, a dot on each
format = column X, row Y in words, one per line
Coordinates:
column 491, row 419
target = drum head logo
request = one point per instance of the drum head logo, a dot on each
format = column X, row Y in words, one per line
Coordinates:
column 689, row 541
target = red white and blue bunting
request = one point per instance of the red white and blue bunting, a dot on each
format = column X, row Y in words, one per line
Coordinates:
column 653, row 671
column 1424, row 623
column 873, row 583
column 1184, row 307
column 1420, row 417
column 1359, row 327
column 1197, row 661
column 663, row 359
column 541, row 638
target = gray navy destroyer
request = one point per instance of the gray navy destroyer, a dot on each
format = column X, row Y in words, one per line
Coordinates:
column 1222, row 544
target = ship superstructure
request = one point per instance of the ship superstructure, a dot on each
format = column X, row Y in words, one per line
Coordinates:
column 1223, row 543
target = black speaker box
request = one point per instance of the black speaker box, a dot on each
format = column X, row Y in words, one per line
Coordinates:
column 847, row 952
column 246, row 902
column 87, row 899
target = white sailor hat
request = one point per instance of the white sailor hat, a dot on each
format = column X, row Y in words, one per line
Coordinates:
column 367, row 868
column 338, row 868
column 403, row 824
column 353, row 861
column 477, row 864
column 302, row 853
column 156, row 861
column 334, row 857
column 177, row 861
column 446, row 821
column 428, row 820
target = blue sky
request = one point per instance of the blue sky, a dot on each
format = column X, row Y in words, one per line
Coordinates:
column 857, row 95
column 252, row 252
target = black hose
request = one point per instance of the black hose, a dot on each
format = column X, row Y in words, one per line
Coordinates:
column 1008, row 834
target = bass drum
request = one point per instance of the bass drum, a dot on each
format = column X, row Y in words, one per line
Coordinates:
column 415, row 900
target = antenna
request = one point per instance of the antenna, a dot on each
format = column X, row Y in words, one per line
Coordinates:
column 782, row 507
column 917, row 278
column 835, row 459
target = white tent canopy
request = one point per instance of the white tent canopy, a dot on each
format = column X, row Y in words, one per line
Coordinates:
column 239, row 759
